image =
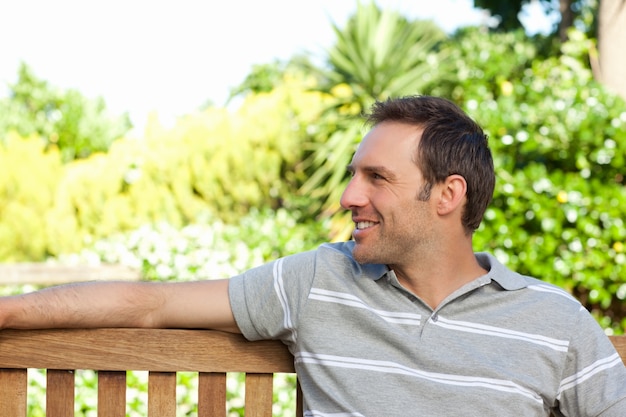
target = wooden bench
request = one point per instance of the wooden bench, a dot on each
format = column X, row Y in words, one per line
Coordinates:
column 161, row 352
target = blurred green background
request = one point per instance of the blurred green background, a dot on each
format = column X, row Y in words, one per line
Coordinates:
column 263, row 179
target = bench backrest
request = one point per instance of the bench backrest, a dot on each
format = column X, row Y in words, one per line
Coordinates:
column 112, row 352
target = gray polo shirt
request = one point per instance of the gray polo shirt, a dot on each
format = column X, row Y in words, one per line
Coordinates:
column 502, row 345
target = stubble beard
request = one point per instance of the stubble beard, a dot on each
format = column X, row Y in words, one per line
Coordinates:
column 380, row 250
column 394, row 246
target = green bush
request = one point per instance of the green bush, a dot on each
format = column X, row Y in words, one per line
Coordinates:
column 207, row 249
column 558, row 139
column 67, row 120
column 216, row 161
column 27, row 190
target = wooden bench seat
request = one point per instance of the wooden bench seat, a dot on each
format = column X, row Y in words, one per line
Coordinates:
column 112, row 352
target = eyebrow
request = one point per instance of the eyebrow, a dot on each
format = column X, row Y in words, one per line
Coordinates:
column 377, row 169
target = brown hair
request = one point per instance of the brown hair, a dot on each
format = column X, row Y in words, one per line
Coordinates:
column 451, row 143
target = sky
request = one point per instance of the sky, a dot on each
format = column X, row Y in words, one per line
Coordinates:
column 173, row 56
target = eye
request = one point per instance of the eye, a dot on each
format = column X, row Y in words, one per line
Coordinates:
column 377, row 176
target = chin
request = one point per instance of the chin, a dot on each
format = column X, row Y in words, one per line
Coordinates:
column 363, row 255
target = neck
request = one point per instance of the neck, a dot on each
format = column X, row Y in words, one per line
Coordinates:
column 433, row 278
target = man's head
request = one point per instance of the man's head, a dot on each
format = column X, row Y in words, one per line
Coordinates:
column 451, row 143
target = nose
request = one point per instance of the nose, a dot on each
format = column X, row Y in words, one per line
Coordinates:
column 353, row 196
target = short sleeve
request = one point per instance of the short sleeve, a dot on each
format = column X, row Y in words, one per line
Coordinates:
column 594, row 379
column 266, row 301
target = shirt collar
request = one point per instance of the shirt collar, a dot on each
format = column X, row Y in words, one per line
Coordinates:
column 499, row 273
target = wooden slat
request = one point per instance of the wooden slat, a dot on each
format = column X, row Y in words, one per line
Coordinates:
column 111, row 394
column 59, row 393
column 259, row 393
column 620, row 344
column 164, row 350
column 13, row 384
column 162, row 394
column 212, row 394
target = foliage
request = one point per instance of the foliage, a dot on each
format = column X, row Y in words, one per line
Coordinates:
column 487, row 63
column 379, row 53
column 27, row 191
column 226, row 163
column 206, row 249
column 67, row 120
column 558, row 140
column 263, row 78
column 507, row 12
column 565, row 14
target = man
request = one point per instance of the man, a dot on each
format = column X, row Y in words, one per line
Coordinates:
column 405, row 319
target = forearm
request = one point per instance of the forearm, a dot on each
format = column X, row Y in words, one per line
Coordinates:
column 86, row 305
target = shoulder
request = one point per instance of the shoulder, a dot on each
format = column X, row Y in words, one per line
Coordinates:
column 530, row 289
column 536, row 306
column 338, row 257
column 328, row 258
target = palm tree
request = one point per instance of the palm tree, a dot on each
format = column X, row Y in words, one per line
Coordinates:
column 379, row 54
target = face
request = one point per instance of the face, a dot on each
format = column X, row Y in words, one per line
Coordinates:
column 391, row 222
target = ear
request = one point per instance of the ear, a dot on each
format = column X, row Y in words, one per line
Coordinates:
column 453, row 192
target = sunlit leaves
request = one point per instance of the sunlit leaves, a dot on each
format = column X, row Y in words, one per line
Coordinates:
column 66, row 120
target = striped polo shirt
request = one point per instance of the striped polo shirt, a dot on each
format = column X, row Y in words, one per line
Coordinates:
column 502, row 345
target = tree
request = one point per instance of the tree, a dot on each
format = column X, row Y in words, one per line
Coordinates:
column 601, row 20
column 508, row 12
column 611, row 43
column 78, row 126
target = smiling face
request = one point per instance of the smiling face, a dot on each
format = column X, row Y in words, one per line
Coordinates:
column 392, row 225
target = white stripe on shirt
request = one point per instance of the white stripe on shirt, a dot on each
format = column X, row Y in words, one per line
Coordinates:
column 279, row 287
column 465, row 326
column 396, row 368
column 316, row 413
column 352, row 301
column 552, row 290
column 588, row 372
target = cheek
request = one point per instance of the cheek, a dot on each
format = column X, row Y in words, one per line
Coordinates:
column 418, row 211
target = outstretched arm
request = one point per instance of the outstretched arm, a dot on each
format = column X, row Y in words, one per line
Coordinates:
column 198, row 304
